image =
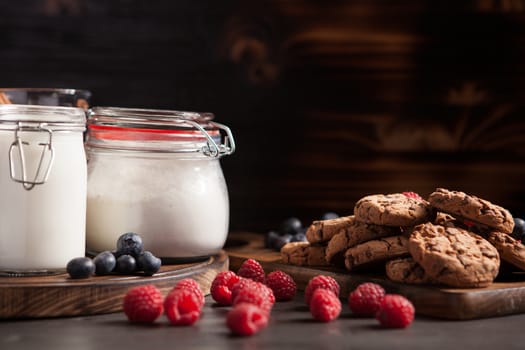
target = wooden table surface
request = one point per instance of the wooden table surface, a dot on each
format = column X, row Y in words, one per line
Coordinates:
column 290, row 327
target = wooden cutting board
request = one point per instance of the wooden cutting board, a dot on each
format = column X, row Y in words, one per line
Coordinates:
column 59, row 295
column 504, row 297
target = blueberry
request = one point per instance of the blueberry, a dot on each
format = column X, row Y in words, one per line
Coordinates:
column 519, row 229
column 105, row 262
column 130, row 243
column 329, row 216
column 282, row 240
column 299, row 237
column 148, row 263
column 126, row 264
column 270, row 238
column 80, row 267
column 291, row 226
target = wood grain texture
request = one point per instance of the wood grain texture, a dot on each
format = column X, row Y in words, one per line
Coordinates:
column 500, row 299
column 59, row 295
column 328, row 102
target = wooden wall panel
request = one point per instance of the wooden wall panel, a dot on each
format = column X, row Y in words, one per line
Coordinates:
column 329, row 101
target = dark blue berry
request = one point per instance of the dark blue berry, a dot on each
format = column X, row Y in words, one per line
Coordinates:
column 130, row 243
column 282, row 240
column 105, row 262
column 126, row 264
column 290, row 226
column 148, row 263
column 270, row 238
column 519, row 229
column 299, row 237
column 80, row 267
column 329, row 216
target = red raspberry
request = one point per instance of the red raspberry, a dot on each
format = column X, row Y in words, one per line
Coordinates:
column 395, row 311
column 246, row 319
column 320, row 281
column 190, row 284
column 325, row 306
column 282, row 285
column 252, row 269
column 365, row 299
column 247, row 283
column 143, row 304
column 250, row 291
column 221, row 287
column 413, row 195
column 469, row 224
column 182, row 307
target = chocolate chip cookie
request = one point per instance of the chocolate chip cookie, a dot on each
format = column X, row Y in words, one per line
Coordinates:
column 445, row 219
column 394, row 209
column 406, row 270
column 454, row 256
column 353, row 235
column 510, row 249
column 323, row 230
column 377, row 250
column 303, row 254
column 465, row 206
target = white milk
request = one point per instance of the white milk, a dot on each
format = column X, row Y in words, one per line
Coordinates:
column 179, row 206
column 41, row 229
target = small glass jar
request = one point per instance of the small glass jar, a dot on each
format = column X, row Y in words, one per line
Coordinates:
column 43, row 181
column 157, row 173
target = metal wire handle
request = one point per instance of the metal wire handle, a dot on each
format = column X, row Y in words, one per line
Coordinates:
column 46, row 147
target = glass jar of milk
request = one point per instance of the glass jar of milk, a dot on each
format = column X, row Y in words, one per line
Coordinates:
column 43, row 185
column 157, row 173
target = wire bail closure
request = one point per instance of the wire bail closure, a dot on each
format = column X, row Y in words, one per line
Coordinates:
column 211, row 149
column 43, row 168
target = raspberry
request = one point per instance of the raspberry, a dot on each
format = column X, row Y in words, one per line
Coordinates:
column 395, row 311
column 252, row 269
column 320, row 281
column 413, row 195
column 365, row 299
column 221, row 287
column 143, row 304
column 246, row 319
column 282, row 285
column 249, row 291
column 182, row 307
column 469, row 224
column 249, row 283
column 325, row 306
column 192, row 285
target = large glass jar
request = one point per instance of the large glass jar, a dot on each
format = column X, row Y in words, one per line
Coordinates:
column 43, row 186
column 157, row 173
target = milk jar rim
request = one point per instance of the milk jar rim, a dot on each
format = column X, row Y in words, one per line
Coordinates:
column 157, row 130
column 57, row 118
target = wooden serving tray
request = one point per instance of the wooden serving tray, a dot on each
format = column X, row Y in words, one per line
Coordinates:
column 59, row 295
column 504, row 297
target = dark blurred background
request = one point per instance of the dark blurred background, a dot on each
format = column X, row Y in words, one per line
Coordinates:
column 328, row 100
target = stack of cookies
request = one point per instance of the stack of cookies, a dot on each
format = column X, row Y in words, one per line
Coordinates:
column 452, row 239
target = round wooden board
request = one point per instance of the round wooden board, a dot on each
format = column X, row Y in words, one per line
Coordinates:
column 59, row 295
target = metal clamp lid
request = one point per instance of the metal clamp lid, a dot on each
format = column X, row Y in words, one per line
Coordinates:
column 165, row 131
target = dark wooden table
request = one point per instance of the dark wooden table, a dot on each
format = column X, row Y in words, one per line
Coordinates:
column 291, row 327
